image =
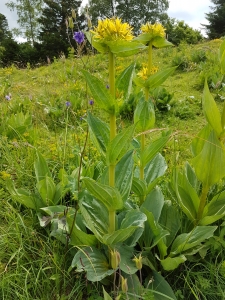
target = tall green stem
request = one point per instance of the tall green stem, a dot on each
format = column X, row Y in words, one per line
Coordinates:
column 203, row 199
column 112, row 214
column 146, row 99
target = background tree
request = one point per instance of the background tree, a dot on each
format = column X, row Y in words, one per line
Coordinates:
column 137, row 13
column 9, row 48
column 53, row 34
column 178, row 31
column 28, row 12
column 134, row 12
column 216, row 19
column 5, row 33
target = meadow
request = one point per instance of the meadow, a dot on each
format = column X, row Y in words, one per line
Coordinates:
column 88, row 213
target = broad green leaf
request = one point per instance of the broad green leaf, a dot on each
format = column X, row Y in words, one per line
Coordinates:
column 91, row 223
column 24, row 197
column 223, row 116
column 170, row 221
column 187, row 241
column 160, row 42
column 161, row 288
column 93, row 262
column 158, row 78
column 154, row 170
column 222, row 57
column 118, row 236
column 171, row 263
column 214, row 210
column 135, row 289
column 40, row 167
column 108, row 195
column 191, row 177
column 106, row 295
column 154, row 203
column 60, row 192
column 54, row 210
column 213, row 153
column 78, row 237
column 124, row 81
column 222, row 50
column 144, row 115
column 187, row 196
column 100, row 93
column 134, row 218
column 127, row 265
column 100, row 131
column 157, row 232
column 139, row 187
column 153, row 148
column 98, row 45
column 211, row 110
column 199, row 141
column 222, row 63
column 119, row 146
column 125, row 48
column 46, row 188
column 124, row 174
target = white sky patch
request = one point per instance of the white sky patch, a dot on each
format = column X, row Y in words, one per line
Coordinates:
column 191, row 12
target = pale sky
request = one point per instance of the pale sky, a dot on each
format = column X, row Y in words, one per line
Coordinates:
column 191, row 11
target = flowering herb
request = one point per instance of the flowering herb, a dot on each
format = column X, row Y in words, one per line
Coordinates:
column 113, row 30
column 79, row 37
column 91, row 102
column 68, row 103
column 154, row 29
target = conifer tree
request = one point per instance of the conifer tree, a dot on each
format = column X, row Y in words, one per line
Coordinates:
column 54, row 33
column 216, row 19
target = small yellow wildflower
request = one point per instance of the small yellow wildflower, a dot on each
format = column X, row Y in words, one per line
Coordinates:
column 113, row 30
column 144, row 72
column 155, row 29
column 5, row 175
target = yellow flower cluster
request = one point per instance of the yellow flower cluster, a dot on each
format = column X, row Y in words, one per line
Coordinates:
column 5, row 175
column 113, row 30
column 155, row 29
column 143, row 73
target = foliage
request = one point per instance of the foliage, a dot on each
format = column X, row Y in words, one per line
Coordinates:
column 111, row 212
column 215, row 18
column 136, row 13
column 54, row 31
column 179, row 31
column 28, row 12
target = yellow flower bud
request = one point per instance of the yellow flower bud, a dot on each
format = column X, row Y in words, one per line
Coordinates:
column 73, row 13
column 124, row 285
column 115, row 259
column 138, row 262
column 89, row 23
column 71, row 25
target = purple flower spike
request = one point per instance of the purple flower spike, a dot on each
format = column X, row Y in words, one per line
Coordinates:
column 79, row 37
column 68, row 103
column 91, row 102
column 107, row 86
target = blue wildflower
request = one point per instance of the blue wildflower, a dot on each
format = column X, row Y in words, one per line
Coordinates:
column 91, row 102
column 8, row 97
column 79, row 37
column 68, row 103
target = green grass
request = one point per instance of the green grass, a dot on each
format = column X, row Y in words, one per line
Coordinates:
column 34, row 265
